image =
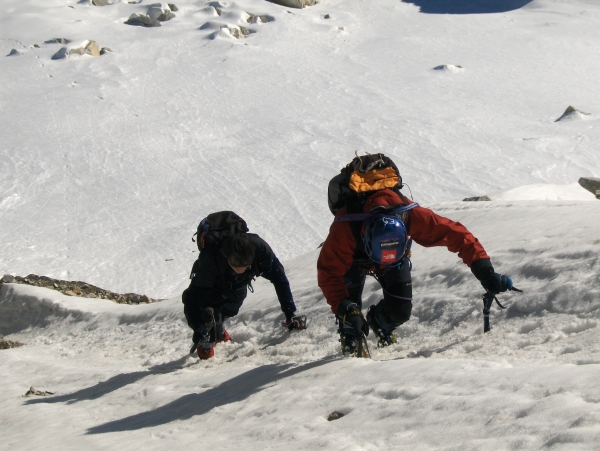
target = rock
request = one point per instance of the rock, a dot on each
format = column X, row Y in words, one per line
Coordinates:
column 335, row 416
column 104, row 50
column 141, row 19
column 326, row 16
column 8, row 278
column 299, row 4
column 592, row 184
column 87, row 48
column 173, row 7
column 572, row 114
column 61, row 54
column 476, row 199
column 7, row 344
column 449, row 68
column 100, row 2
column 62, row 41
column 14, row 52
column 259, row 19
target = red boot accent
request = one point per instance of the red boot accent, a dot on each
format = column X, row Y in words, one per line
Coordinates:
column 206, row 353
column 226, row 337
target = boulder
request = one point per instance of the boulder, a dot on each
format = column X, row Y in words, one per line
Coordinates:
column 86, row 48
column 100, row 2
column 477, row 199
column 160, row 14
column 299, row 4
column 141, row 19
column 592, row 184
column 62, row 41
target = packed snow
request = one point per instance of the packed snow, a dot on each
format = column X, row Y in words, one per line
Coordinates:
column 108, row 163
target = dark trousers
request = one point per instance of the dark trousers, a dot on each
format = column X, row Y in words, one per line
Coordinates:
column 396, row 306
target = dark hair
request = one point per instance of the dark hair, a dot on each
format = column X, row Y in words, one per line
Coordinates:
column 239, row 250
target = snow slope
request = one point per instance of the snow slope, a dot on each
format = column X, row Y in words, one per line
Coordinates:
column 107, row 164
column 121, row 376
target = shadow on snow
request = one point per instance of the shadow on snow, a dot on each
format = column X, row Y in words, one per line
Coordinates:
column 188, row 406
column 467, row 6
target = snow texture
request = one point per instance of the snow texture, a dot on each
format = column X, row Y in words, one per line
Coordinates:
column 108, row 163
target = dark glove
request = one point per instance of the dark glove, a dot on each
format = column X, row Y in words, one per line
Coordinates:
column 490, row 280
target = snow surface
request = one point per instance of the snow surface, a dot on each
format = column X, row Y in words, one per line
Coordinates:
column 107, row 165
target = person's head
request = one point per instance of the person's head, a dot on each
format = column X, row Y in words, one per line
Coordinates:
column 239, row 252
column 385, row 239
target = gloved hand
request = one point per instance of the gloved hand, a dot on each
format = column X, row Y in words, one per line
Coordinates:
column 490, row 280
column 296, row 322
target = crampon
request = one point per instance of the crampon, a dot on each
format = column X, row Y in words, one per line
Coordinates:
column 354, row 346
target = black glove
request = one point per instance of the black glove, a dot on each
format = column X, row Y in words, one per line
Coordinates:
column 490, row 280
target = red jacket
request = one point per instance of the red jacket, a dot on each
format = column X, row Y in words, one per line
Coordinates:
column 425, row 227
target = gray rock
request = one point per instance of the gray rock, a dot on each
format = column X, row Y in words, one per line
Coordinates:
column 62, row 41
column 572, row 113
column 89, row 48
column 592, row 184
column 14, row 52
column 100, row 2
column 141, row 19
column 173, row 7
column 104, row 50
column 335, row 416
column 8, row 278
column 167, row 15
column 62, row 53
column 299, row 4
column 476, row 199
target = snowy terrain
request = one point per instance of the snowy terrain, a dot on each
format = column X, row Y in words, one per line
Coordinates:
column 108, row 163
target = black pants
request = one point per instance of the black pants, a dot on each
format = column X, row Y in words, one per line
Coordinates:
column 396, row 306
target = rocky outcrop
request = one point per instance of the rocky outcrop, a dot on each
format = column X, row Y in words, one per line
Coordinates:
column 7, row 344
column 299, row 4
column 75, row 288
column 592, row 184
column 477, row 199
column 62, row 41
column 156, row 14
column 86, row 48
column 143, row 20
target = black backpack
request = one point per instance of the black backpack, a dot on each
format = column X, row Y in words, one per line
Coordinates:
column 217, row 227
column 359, row 179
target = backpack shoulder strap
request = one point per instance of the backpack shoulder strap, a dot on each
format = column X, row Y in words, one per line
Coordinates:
column 351, row 217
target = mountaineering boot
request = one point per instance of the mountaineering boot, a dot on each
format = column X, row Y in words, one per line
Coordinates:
column 348, row 339
column 385, row 337
column 225, row 337
column 206, row 351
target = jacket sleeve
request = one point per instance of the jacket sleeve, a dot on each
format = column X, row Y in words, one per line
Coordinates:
column 334, row 262
column 264, row 254
column 430, row 229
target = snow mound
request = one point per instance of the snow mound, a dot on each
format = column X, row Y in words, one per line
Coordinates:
column 543, row 191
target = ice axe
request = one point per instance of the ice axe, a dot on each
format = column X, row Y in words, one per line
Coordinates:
column 506, row 284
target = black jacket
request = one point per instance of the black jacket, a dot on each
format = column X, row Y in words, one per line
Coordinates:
column 214, row 284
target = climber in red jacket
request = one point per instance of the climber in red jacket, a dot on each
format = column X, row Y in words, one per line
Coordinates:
column 377, row 242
